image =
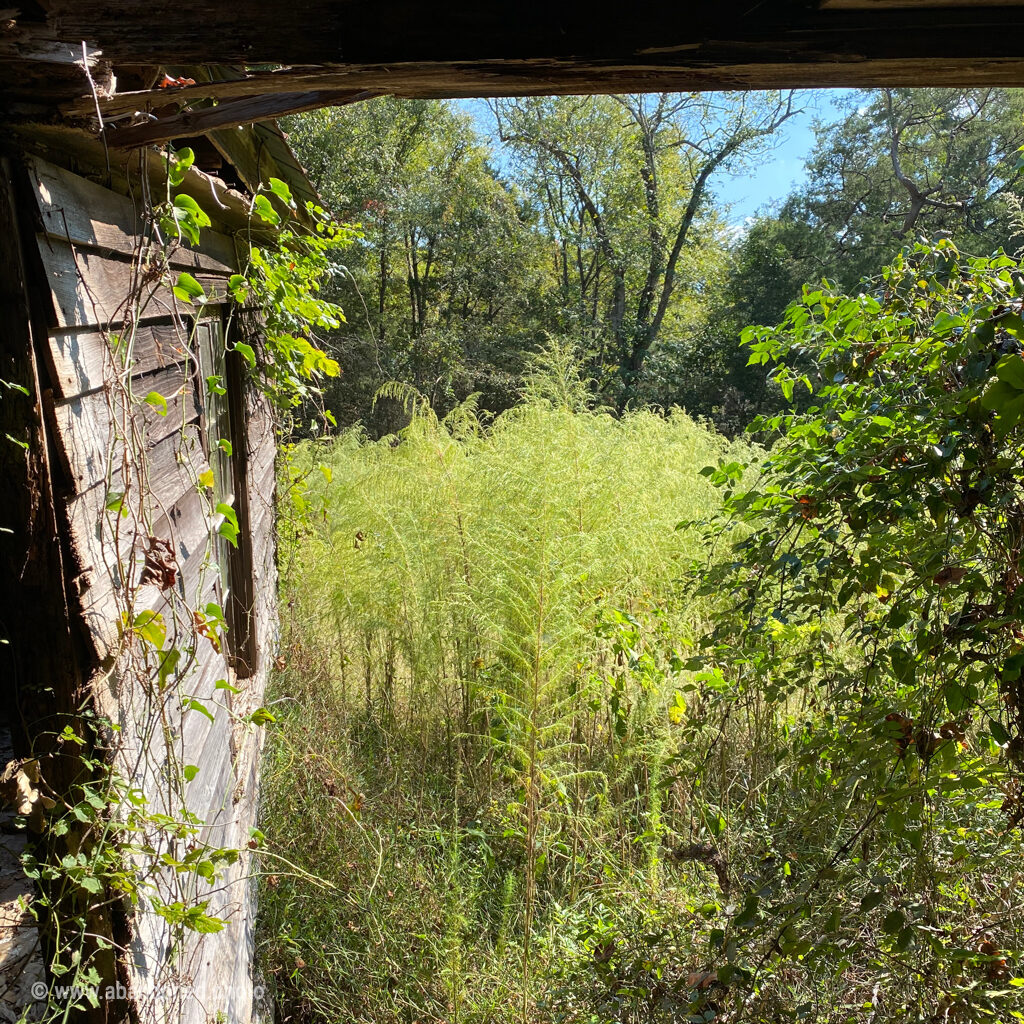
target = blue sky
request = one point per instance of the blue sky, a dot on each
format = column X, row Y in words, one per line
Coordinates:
column 783, row 168
column 773, row 177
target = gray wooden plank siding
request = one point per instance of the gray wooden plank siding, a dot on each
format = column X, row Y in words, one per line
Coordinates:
column 88, row 246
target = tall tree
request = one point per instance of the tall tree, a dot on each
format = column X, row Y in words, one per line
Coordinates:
column 440, row 291
column 622, row 181
column 911, row 162
column 899, row 163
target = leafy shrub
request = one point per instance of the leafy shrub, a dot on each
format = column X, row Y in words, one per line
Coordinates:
column 873, row 608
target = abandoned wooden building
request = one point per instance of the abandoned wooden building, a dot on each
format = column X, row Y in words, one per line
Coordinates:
column 119, row 550
column 132, row 437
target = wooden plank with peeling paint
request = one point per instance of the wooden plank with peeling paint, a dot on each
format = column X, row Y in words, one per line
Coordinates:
column 93, row 290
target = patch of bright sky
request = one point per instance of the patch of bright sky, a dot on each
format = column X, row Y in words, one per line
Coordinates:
column 756, row 188
column 761, row 187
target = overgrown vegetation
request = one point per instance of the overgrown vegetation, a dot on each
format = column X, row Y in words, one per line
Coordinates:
column 589, row 715
column 878, row 589
column 479, row 732
column 564, row 754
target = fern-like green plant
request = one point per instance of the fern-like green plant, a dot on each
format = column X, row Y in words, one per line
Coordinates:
column 478, row 606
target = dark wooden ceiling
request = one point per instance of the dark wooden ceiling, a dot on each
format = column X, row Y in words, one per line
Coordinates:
column 568, row 45
column 315, row 52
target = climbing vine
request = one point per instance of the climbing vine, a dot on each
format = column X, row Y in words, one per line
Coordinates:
column 117, row 842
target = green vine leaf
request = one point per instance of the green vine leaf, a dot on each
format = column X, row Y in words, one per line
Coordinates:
column 282, row 191
column 168, row 665
column 196, row 705
column 247, row 352
column 188, row 289
column 178, row 164
column 229, row 526
column 158, row 402
column 149, row 625
column 187, row 217
column 194, row 918
column 264, row 209
column 261, row 716
column 115, row 503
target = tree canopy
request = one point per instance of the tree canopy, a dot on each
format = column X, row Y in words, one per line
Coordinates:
column 595, row 220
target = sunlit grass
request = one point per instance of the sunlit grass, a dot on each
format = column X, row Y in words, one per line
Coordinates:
column 475, row 709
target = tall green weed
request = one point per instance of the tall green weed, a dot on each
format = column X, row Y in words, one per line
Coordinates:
column 479, row 713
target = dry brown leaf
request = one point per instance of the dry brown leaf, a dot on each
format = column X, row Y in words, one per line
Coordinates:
column 160, row 568
column 949, row 574
column 19, row 787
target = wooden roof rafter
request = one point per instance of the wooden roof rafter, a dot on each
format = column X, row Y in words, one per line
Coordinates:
column 330, row 52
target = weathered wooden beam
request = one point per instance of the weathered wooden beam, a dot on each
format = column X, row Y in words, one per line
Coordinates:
column 568, row 42
column 359, row 32
column 532, row 47
column 878, row 5
column 537, row 78
column 229, row 114
column 461, row 49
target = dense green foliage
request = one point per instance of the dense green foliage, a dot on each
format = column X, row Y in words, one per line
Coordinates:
column 879, row 583
column 599, row 228
column 479, row 721
column 558, row 775
column 568, row 735
column 594, row 220
column 623, row 183
column 445, row 291
column 910, row 162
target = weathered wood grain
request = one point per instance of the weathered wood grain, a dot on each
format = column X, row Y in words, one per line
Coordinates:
column 231, row 114
column 656, row 71
column 367, row 32
column 72, row 144
column 211, row 790
column 83, row 361
column 261, row 152
column 84, row 268
column 172, row 466
column 200, row 741
column 88, row 279
column 464, row 48
column 262, row 459
column 262, row 506
column 106, row 556
column 84, row 213
column 93, row 290
column 263, row 501
column 90, row 428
